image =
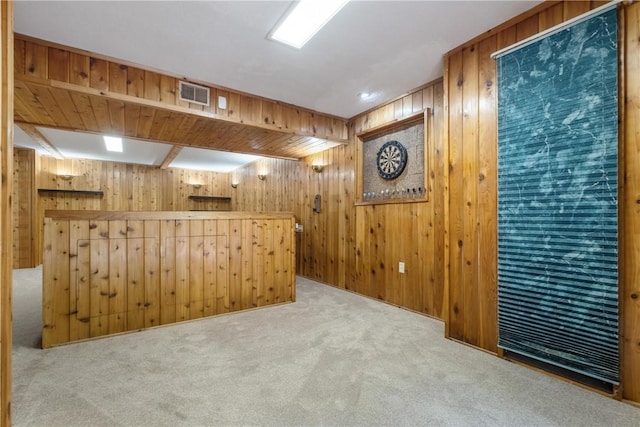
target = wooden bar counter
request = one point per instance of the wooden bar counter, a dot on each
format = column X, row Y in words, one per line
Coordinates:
column 108, row 272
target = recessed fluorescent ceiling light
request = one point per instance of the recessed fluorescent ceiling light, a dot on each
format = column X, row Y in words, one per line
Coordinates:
column 305, row 20
column 113, row 143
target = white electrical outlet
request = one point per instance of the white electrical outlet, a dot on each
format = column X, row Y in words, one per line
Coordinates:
column 401, row 267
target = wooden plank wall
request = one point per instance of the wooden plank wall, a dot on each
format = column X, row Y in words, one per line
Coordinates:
column 471, row 131
column 126, row 187
column 358, row 248
column 6, row 167
column 46, row 61
column 111, row 272
column 411, row 233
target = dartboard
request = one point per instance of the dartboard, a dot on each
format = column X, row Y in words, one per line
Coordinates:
column 392, row 158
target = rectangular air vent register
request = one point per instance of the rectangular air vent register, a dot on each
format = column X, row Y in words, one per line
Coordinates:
column 194, row 93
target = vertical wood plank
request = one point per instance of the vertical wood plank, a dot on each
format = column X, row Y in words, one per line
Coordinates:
column 290, row 257
column 470, row 195
column 438, row 177
column 222, row 267
column 151, row 85
column 279, row 259
column 550, row 17
column 168, row 89
column 210, row 264
column 79, row 69
column 135, row 82
column 258, row 254
column 59, row 65
column 269, row 249
column 456, row 198
column 527, row 28
column 98, row 74
column 487, row 197
column 24, row 209
column 117, row 276
column 168, row 272
column 117, row 78
column 421, row 277
column 246, row 299
column 152, row 273
column 135, row 306
column 56, row 292
column 19, row 54
column 182, row 271
column 235, row 265
column 36, row 60
column 574, row 8
column 80, row 291
column 196, row 267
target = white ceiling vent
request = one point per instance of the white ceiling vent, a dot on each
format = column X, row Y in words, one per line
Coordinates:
column 194, row 93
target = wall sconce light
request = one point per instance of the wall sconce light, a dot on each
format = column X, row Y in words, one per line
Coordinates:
column 262, row 176
column 317, row 168
column 234, row 185
column 65, row 177
column 197, row 186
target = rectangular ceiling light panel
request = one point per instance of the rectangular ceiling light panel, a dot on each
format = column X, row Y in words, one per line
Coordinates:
column 305, row 20
column 113, row 144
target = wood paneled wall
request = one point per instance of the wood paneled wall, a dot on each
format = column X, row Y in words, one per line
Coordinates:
column 411, row 233
column 129, row 187
column 471, row 131
column 110, row 272
column 126, row 187
column 6, row 223
column 358, row 248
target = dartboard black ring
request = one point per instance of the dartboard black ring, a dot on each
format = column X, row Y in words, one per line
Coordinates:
column 392, row 159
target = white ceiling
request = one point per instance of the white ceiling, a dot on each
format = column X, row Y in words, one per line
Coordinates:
column 217, row 161
column 91, row 146
column 151, row 153
column 386, row 48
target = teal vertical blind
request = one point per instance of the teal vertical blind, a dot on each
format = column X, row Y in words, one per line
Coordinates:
column 557, row 199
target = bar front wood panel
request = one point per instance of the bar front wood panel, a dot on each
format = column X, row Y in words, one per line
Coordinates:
column 471, row 196
column 111, row 272
column 358, row 247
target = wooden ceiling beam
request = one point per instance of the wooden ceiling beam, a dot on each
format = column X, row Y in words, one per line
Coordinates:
column 42, row 140
column 94, row 111
column 134, row 100
column 171, row 155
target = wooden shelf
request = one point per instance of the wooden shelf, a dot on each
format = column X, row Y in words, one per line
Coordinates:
column 218, row 198
column 86, row 192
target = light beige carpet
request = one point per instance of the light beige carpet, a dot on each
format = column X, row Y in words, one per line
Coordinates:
column 332, row 358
